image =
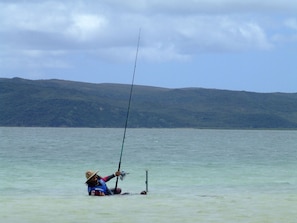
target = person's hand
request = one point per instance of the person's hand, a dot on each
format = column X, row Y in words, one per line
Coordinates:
column 118, row 173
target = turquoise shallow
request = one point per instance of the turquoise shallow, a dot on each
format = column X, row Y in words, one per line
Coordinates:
column 193, row 175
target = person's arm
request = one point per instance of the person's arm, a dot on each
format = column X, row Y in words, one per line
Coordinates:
column 107, row 178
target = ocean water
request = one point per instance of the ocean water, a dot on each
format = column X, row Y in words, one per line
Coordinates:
column 194, row 175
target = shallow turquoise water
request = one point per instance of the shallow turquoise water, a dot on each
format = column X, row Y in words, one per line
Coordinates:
column 194, row 175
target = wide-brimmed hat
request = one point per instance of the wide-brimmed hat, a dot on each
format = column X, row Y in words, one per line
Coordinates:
column 90, row 174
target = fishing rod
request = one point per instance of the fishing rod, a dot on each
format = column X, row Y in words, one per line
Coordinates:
column 128, row 110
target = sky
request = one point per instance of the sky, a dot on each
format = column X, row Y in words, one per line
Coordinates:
column 242, row 45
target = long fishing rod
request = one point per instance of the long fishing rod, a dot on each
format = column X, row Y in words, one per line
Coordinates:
column 128, row 110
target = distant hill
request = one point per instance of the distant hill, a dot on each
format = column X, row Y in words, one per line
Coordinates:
column 59, row 103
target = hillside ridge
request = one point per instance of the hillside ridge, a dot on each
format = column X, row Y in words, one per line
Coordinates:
column 63, row 103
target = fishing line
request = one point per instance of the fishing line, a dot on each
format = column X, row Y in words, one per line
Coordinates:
column 128, row 110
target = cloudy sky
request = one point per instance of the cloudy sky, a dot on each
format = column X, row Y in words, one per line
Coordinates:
column 248, row 45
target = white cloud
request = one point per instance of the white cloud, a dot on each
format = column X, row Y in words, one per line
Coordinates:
column 86, row 27
column 187, row 7
column 196, row 34
column 47, row 16
column 291, row 23
column 39, row 53
column 172, row 30
column 28, row 59
column 288, row 32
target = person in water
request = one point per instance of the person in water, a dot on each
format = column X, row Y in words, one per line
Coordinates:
column 97, row 184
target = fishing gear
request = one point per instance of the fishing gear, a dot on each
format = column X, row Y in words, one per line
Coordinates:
column 123, row 175
column 128, row 110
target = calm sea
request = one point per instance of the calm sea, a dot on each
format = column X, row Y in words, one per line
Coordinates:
column 194, row 175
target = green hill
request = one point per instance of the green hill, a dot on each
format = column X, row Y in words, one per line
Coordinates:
column 59, row 103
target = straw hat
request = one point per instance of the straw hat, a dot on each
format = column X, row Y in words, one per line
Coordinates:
column 90, row 174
